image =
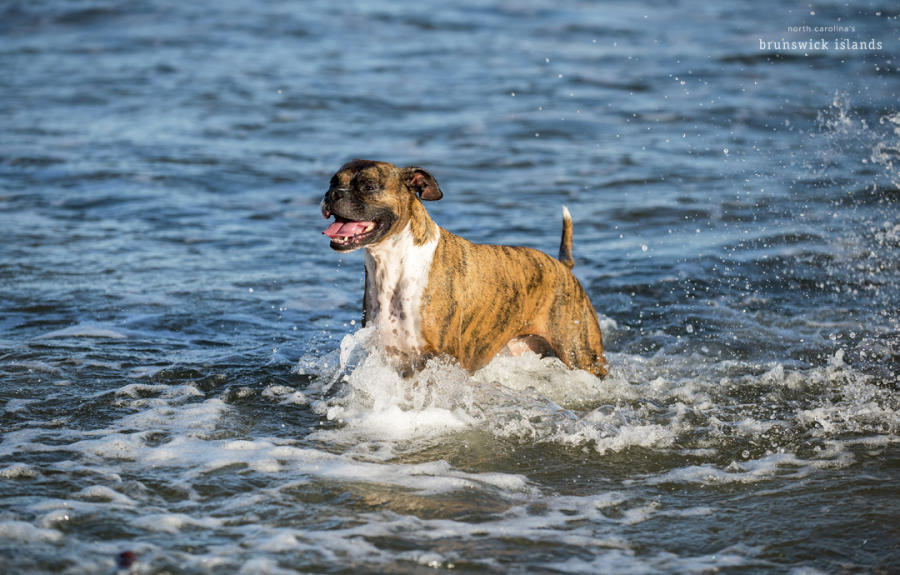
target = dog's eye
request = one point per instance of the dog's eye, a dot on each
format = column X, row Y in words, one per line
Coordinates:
column 369, row 187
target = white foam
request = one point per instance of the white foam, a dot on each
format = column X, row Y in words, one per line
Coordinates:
column 377, row 427
column 616, row 561
column 547, row 376
column 286, row 395
column 427, row 558
column 264, row 566
column 112, row 446
column 23, row 532
column 644, row 402
column 524, row 396
column 106, row 494
column 860, row 408
column 375, row 401
column 588, row 522
column 51, row 512
column 752, row 471
column 806, row 571
column 86, row 330
column 144, row 390
column 609, row 328
column 188, row 457
column 614, row 428
column 174, row 522
column 203, row 416
column 18, row 471
column 394, row 423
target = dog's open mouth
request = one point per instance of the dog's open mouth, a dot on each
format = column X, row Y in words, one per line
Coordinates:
column 348, row 234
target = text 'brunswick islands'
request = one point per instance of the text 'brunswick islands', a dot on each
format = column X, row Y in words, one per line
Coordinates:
column 821, row 45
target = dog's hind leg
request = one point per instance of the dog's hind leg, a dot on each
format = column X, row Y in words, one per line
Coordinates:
column 582, row 347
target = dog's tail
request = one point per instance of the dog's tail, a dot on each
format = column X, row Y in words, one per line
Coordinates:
column 565, row 245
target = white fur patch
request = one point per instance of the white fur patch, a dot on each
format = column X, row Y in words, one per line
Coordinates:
column 396, row 276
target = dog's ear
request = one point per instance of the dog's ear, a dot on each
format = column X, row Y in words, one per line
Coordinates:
column 422, row 183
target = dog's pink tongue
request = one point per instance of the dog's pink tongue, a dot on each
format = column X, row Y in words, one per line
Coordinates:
column 346, row 229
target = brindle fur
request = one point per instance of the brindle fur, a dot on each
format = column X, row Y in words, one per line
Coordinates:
column 479, row 298
column 531, row 296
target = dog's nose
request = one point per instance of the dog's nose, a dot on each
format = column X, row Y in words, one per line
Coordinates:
column 328, row 201
column 334, row 194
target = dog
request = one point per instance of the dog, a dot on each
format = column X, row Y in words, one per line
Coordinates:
column 429, row 292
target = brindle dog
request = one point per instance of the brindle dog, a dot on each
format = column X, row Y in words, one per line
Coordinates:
column 429, row 292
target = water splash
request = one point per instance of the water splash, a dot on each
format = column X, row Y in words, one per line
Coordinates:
column 728, row 414
column 848, row 134
column 886, row 153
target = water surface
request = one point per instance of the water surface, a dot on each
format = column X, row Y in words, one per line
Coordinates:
column 182, row 370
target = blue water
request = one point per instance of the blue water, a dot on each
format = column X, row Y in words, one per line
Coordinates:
column 182, row 371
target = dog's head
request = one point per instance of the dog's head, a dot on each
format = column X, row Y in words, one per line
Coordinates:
column 370, row 201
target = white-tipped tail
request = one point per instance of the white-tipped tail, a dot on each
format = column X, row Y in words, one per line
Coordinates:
column 565, row 244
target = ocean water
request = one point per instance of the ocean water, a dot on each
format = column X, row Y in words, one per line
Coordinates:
column 184, row 383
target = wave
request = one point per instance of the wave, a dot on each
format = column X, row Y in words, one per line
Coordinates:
column 683, row 404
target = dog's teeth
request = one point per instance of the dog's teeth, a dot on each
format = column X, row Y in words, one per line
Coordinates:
column 370, row 227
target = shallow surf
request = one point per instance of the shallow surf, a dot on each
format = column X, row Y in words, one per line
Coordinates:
column 183, row 376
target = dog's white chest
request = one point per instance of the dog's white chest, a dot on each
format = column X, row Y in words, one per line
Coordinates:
column 396, row 276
